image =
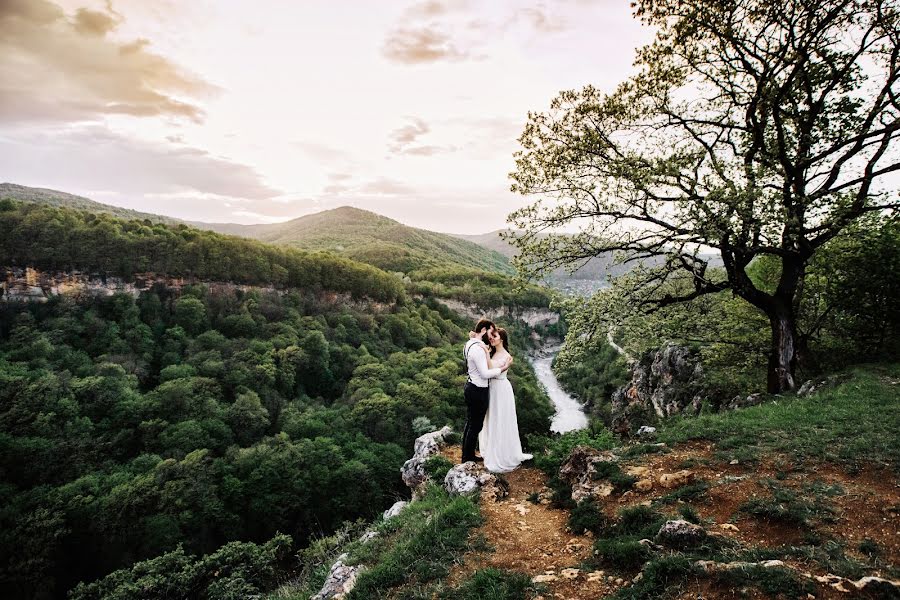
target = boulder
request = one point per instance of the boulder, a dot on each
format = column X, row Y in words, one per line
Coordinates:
column 643, row 485
column 681, row 534
column 665, row 382
column 676, row 479
column 426, row 446
column 647, row 432
column 395, row 509
column 471, row 478
column 340, row 581
column 751, row 400
column 578, row 471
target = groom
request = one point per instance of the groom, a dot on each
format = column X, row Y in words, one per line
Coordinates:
column 476, row 391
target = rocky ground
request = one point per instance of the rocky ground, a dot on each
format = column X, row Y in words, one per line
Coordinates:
column 817, row 519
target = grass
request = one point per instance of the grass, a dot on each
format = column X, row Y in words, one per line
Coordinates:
column 494, row 584
column 787, row 506
column 643, row 449
column 437, row 467
column 685, row 493
column 612, row 472
column 855, row 421
column 416, row 547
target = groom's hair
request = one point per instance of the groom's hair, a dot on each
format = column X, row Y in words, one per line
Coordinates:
column 481, row 324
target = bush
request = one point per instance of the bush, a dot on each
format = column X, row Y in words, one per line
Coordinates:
column 235, row 571
column 437, row 467
column 622, row 553
column 587, row 516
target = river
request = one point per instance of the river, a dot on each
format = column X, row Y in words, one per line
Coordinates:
column 569, row 411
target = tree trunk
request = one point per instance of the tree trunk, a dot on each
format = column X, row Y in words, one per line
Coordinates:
column 783, row 355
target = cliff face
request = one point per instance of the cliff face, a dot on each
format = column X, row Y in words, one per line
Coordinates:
column 30, row 285
column 663, row 383
column 19, row 284
column 531, row 316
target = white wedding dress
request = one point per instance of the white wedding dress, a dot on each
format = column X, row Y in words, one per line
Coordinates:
column 499, row 441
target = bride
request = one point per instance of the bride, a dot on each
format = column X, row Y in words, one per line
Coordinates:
column 499, row 441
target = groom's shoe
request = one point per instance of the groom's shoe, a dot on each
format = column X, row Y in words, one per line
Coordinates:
column 478, row 459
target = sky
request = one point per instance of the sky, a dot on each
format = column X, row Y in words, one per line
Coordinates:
column 254, row 112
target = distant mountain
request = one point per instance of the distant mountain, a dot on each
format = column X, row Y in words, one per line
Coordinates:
column 592, row 276
column 56, row 198
column 357, row 234
column 372, row 238
column 589, row 278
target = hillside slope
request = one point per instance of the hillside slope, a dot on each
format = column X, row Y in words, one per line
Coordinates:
column 353, row 233
column 372, row 238
column 57, row 199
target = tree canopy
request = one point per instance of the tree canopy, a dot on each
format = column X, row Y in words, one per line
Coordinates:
column 758, row 128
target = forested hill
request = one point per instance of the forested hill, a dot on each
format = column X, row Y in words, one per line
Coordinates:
column 58, row 239
column 349, row 232
column 47, row 197
column 208, row 420
column 374, row 239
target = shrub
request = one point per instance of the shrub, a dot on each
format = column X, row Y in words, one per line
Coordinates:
column 586, row 516
column 437, row 467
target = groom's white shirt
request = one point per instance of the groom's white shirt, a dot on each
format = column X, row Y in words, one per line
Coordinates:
column 478, row 365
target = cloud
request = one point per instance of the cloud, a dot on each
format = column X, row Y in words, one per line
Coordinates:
column 95, row 158
column 322, row 152
column 540, row 20
column 421, row 45
column 403, row 140
column 456, row 30
column 60, row 67
column 383, row 186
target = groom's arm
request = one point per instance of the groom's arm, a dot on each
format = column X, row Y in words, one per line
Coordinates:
column 481, row 365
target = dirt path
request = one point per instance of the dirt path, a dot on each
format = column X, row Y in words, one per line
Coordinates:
column 531, row 538
column 857, row 508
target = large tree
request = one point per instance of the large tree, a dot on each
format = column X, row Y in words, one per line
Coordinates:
column 751, row 127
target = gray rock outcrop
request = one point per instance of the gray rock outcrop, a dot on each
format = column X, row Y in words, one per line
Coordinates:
column 579, row 470
column 681, row 534
column 470, row 478
column 663, row 383
column 341, row 579
column 395, row 509
column 426, row 446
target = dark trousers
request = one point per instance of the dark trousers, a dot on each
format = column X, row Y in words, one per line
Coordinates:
column 476, row 408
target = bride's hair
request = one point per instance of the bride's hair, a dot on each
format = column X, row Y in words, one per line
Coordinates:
column 504, row 337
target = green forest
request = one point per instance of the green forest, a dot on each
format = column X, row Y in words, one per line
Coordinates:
column 192, row 420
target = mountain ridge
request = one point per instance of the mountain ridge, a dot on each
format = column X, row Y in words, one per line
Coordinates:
column 351, row 232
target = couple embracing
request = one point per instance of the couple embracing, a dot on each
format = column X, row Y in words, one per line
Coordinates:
column 490, row 402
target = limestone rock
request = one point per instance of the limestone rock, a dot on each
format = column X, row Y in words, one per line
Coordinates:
column 395, row 509
column 644, row 485
column 570, row 573
column 645, row 431
column 711, row 566
column 729, row 527
column 578, row 471
column 470, row 478
column 340, row 581
column 544, row 578
column 681, row 534
column 638, row 471
column 368, row 536
column 751, row 400
column 426, row 445
column 677, row 479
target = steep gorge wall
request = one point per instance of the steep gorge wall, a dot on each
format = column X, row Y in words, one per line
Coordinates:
column 531, row 316
column 19, row 284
